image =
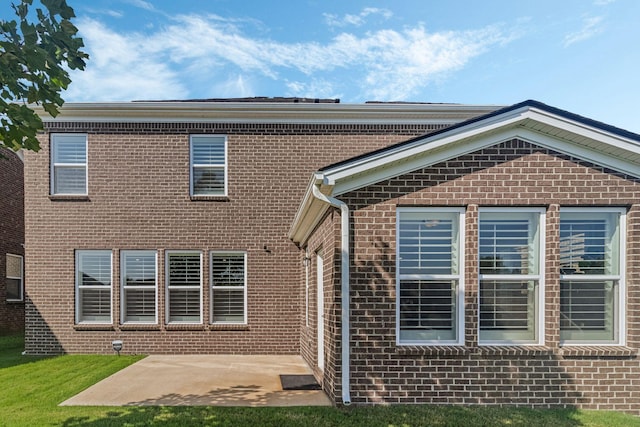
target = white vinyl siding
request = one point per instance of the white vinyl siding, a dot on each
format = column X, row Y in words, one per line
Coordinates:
column 93, row 286
column 184, row 284
column 430, row 263
column 510, row 261
column 228, row 287
column 591, row 275
column 68, row 164
column 15, row 277
column 208, row 165
column 139, row 286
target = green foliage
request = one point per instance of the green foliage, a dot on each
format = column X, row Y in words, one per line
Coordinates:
column 32, row 388
column 35, row 56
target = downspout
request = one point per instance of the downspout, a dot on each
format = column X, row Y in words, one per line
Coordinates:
column 344, row 281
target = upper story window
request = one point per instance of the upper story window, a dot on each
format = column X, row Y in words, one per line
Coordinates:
column 14, row 277
column 208, row 165
column 510, row 261
column 93, row 286
column 592, row 275
column 139, row 286
column 68, row 164
column 430, row 271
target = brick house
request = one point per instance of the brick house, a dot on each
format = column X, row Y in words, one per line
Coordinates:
column 466, row 254
column 11, row 242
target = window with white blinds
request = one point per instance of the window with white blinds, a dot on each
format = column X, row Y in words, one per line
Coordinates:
column 208, row 165
column 69, row 164
column 139, row 290
column 429, row 283
column 93, row 286
column 591, row 275
column 14, row 277
column 228, row 287
column 509, row 249
column 184, row 283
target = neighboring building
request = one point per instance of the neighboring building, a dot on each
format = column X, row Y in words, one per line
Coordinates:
column 11, row 242
column 467, row 255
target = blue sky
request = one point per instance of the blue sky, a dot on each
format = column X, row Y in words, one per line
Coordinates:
column 579, row 55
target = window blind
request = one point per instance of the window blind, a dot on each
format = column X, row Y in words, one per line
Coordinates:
column 228, row 277
column 184, row 287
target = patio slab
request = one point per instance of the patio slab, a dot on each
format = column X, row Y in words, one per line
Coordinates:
column 217, row 380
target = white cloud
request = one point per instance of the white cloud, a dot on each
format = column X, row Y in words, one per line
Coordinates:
column 356, row 20
column 141, row 4
column 591, row 26
column 188, row 57
column 603, row 2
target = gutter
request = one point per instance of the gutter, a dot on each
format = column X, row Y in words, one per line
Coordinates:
column 344, row 281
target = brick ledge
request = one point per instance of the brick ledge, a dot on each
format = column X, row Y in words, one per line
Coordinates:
column 597, row 351
column 93, row 327
column 68, row 198
column 210, row 199
column 434, row 350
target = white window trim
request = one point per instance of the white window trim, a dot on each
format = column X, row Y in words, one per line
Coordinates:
column 540, row 277
column 77, row 287
column 211, row 287
column 620, row 278
column 307, row 262
column 460, row 306
column 52, row 166
column 166, row 275
column 224, row 165
column 123, row 313
column 21, row 278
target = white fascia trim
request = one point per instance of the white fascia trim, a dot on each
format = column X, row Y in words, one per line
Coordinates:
column 275, row 112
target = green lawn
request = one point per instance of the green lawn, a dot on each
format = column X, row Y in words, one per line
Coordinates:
column 31, row 389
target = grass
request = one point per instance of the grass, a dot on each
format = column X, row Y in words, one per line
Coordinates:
column 31, row 389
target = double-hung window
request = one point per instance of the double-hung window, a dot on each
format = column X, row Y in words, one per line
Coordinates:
column 14, row 277
column 184, row 283
column 68, row 164
column 139, row 290
column 93, row 286
column 592, row 275
column 208, row 165
column 510, row 262
column 429, row 270
column 228, row 287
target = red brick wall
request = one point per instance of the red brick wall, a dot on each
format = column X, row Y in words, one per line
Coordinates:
column 139, row 199
column 514, row 173
column 11, row 233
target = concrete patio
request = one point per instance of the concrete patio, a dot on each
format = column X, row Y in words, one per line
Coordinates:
column 228, row 380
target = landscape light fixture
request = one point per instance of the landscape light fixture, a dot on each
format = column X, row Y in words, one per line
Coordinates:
column 117, row 346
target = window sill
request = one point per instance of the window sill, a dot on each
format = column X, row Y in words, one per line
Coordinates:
column 69, row 198
column 93, row 327
column 15, row 301
column 515, row 350
column 185, row 327
column 432, row 350
column 597, row 351
column 228, row 327
column 210, row 199
column 139, row 327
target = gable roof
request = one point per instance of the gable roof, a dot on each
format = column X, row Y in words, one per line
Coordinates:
column 530, row 120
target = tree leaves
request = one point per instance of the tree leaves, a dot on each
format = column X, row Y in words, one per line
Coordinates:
column 35, row 57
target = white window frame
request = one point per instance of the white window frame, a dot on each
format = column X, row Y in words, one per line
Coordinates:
column 78, row 286
column 192, row 166
column 124, row 286
column 212, row 287
column 55, row 139
column 459, row 277
column 167, row 286
column 620, row 318
column 539, row 278
column 21, row 278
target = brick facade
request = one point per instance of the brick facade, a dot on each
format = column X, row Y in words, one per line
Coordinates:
column 11, row 234
column 514, row 173
column 139, row 199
